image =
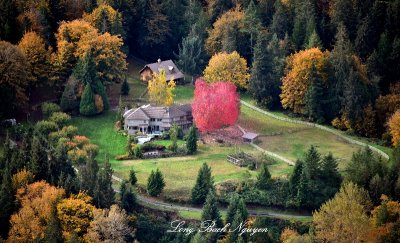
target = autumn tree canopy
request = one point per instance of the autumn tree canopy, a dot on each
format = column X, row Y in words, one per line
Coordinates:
column 229, row 68
column 160, row 91
column 394, row 127
column 296, row 82
column 215, row 105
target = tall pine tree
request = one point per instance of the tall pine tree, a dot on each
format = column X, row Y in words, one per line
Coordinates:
column 204, row 183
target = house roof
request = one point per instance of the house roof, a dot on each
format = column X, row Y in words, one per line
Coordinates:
column 250, row 135
column 171, row 71
column 146, row 112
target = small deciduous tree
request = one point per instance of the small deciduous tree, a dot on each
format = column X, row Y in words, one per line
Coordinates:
column 160, row 91
column 215, row 105
column 155, row 183
column 227, row 67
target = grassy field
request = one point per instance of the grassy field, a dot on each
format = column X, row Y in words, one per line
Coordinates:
column 180, row 172
column 292, row 140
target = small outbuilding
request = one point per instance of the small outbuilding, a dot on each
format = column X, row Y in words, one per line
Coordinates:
column 249, row 137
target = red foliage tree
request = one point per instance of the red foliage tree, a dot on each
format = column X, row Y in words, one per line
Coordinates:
column 215, row 105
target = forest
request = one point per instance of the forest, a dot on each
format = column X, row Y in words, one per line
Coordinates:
column 69, row 70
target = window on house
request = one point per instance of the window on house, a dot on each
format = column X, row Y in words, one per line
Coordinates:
column 152, row 119
column 159, row 120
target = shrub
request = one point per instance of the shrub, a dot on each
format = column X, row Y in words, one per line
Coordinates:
column 78, row 156
column 137, row 151
column 80, row 140
column 69, row 100
column 125, row 88
column 91, row 149
column 45, row 127
column 70, row 131
column 54, row 137
column 87, row 106
column 60, row 118
column 49, row 108
column 151, row 147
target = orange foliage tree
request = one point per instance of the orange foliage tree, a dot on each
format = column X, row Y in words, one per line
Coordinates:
column 75, row 214
column 394, row 127
column 227, row 67
column 37, row 201
column 33, row 46
column 296, row 83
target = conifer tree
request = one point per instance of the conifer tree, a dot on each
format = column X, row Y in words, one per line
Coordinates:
column 236, row 223
column 88, row 175
column 204, row 183
column 211, row 211
column 87, row 106
column 252, row 22
column 263, row 177
column 120, row 113
column 132, row 177
column 103, row 192
column 314, row 41
column 294, row 179
column 262, row 84
column 329, row 171
column 125, row 88
column 53, row 232
column 281, row 20
column 69, row 100
column 38, row 157
column 155, row 183
column 128, row 198
column 191, row 142
column 236, row 203
column 191, row 58
column 312, row 165
column 303, row 191
column 314, row 97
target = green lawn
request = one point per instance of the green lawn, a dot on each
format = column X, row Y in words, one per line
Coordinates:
column 184, row 93
column 100, row 130
column 180, row 172
column 292, row 140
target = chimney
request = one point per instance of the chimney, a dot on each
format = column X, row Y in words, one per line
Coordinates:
column 159, row 60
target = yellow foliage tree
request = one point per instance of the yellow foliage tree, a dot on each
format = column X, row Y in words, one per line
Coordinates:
column 75, row 214
column 160, row 91
column 227, row 67
column 106, row 50
column 105, row 19
column 219, row 35
column 37, row 201
column 394, row 127
column 68, row 36
column 296, row 82
column 34, row 48
column 22, row 179
column 344, row 217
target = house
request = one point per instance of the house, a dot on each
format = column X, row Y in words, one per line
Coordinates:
column 155, row 119
column 171, row 71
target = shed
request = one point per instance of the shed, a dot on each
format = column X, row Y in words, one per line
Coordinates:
column 249, row 137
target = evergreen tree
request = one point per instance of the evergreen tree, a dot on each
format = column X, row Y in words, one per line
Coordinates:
column 129, row 147
column 120, row 113
column 87, row 106
column 191, row 58
column 263, row 177
column 125, row 88
column 232, row 208
column 210, row 210
column 38, row 157
column 99, row 89
column 312, row 164
column 303, row 191
column 132, row 177
column 304, row 22
column 155, row 183
column 252, row 22
column 137, row 151
column 191, row 142
column 262, row 85
column 218, row 7
column 204, row 183
column 7, row 199
column 88, row 175
column 314, row 41
column 233, row 236
column 128, row 197
column 103, row 192
column 69, row 100
column 315, row 97
column 281, row 20
column 294, row 179
column 173, row 134
column 53, row 232
column 329, row 171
